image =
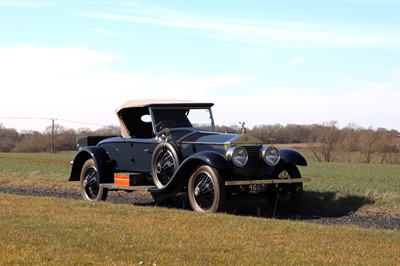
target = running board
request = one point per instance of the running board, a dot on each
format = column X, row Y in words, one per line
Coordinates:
column 112, row 186
column 269, row 181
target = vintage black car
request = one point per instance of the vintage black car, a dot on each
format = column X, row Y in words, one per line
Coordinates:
column 168, row 147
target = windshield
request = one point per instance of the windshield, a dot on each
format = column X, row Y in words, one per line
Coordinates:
column 199, row 118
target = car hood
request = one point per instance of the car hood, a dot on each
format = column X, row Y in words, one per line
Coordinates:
column 221, row 138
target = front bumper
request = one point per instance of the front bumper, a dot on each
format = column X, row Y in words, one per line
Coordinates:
column 266, row 181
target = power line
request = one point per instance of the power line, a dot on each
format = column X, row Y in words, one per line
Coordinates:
column 83, row 123
column 28, row 118
column 52, row 119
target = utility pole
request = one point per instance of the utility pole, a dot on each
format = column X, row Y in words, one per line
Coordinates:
column 272, row 140
column 52, row 136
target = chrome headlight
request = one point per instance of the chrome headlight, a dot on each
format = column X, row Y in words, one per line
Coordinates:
column 237, row 155
column 270, row 155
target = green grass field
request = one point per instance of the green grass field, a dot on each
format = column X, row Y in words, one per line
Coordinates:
column 40, row 230
column 371, row 187
column 374, row 187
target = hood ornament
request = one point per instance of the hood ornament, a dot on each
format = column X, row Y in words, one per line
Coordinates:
column 244, row 130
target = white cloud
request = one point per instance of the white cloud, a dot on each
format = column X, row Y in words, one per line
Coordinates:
column 375, row 105
column 77, row 84
column 24, row 4
column 46, row 62
column 262, row 32
column 104, row 32
column 297, row 60
column 45, row 82
column 372, row 2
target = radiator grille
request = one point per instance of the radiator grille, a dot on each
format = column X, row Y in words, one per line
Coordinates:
column 254, row 167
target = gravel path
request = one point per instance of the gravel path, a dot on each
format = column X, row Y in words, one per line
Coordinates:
column 249, row 207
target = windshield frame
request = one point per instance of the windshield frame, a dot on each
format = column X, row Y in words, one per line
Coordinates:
column 169, row 108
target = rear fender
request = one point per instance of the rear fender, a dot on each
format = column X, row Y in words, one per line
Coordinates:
column 290, row 156
column 101, row 160
column 187, row 167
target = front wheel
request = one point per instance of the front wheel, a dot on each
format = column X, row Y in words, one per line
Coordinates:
column 286, row 197
column 89, row 183
column 206, row 190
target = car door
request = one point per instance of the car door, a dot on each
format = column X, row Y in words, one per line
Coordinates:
column 142, row 151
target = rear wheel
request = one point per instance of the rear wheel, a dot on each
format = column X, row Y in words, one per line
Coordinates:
column 285, row 198
column 89, row 183
column 206, row 190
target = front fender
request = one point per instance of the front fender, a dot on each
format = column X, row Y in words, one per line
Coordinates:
column 186, row 168
column 101, row 160
column 211, row 158
column 290, row 156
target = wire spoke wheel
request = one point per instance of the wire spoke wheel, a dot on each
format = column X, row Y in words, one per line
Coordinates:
column 165, row 161
column 284, row 174
column 286, row 197
column 165, row 167
column 206, row 190
column 89, row 183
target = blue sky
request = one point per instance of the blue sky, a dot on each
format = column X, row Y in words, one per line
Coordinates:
column 262, row 62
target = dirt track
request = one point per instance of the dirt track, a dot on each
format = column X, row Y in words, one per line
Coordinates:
column 252, row 207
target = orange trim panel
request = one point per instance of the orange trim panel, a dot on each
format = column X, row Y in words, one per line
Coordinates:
column 127, row 179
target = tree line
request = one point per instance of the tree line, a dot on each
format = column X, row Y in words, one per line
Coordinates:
column 325, row 142
column 55, row 138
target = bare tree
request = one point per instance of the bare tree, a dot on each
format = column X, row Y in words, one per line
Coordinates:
column 258, row 132
column 235, row 129
column 324, row 141
column 368, row 138
column 108, row 130
column 350, row 139
column 297, row 133
column 386, row 143
column 8, row 138
column 60, row 137
column 33, row 142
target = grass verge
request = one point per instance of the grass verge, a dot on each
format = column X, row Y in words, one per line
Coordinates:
column 36, row 230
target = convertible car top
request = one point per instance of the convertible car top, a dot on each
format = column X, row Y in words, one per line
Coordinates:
column 129, row 112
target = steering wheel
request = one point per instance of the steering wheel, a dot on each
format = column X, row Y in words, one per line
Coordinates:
column 165, row 124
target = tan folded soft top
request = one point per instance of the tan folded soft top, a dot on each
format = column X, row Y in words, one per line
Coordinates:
column 155, row 102
column 130, row 112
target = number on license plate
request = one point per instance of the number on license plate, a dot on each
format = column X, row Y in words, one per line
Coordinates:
column 258, row 187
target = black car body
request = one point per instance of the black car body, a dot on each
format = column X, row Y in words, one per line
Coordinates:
column 170, row 146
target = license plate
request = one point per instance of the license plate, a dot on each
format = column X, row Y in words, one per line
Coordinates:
column 258, row 187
